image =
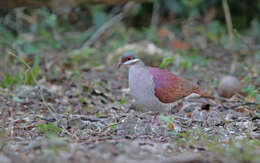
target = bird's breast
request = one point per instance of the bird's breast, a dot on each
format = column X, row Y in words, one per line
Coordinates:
column 140, row 81
column 142, row 88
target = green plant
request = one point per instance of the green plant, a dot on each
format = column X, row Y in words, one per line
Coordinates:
column 252, row 92
column 84, row 103
column 168, row 120
column 27, row 77
column 243, row 150
column 31, row 76
column 9, row 81
column 122, row 102
column 166, row 61
column 49, row 129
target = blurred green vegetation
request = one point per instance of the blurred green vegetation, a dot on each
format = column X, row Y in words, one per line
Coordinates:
column 49, row 129
column 239, row 150
column 34, row 33
column 186, row 27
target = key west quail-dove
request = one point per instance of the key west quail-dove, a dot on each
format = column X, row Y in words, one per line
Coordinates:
column 156, row 89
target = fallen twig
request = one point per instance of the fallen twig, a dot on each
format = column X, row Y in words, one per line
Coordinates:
column 155, row 14
column 230, row 33
column 107, row 25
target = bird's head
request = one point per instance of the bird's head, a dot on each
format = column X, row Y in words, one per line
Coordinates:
column 129, row 58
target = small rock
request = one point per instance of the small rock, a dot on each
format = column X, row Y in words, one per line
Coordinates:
column 198, row 115
column 229, row 86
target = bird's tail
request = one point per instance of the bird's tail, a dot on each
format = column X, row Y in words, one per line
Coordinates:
column 203, row 94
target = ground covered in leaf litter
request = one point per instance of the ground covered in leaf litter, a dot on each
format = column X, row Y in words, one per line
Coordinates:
column 91, row 118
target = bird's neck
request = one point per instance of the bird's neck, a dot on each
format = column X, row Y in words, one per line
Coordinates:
column 138, row 69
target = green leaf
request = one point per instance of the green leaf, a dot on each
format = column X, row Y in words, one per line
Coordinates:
column 186, row 64
column 49, row 128
column 166, row 61
column 251, row 90
column 166, row 119
column 10, row 81
column 122, row 102
column 32, row 75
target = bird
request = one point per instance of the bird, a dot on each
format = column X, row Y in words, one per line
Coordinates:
column 156, row 89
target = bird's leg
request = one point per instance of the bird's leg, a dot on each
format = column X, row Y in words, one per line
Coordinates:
column 155, row 120
column 176, row 107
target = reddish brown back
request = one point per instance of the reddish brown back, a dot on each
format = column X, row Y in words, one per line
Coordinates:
column 169, row 87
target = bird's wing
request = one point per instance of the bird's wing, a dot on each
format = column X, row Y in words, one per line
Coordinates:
column 170, row 87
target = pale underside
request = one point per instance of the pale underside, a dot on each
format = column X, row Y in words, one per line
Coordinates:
column 141, row 86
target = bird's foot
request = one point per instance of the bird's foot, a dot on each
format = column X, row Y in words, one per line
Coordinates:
column 176, row 108
column 155, row 119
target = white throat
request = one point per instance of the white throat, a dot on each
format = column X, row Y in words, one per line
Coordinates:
column 131, row 61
